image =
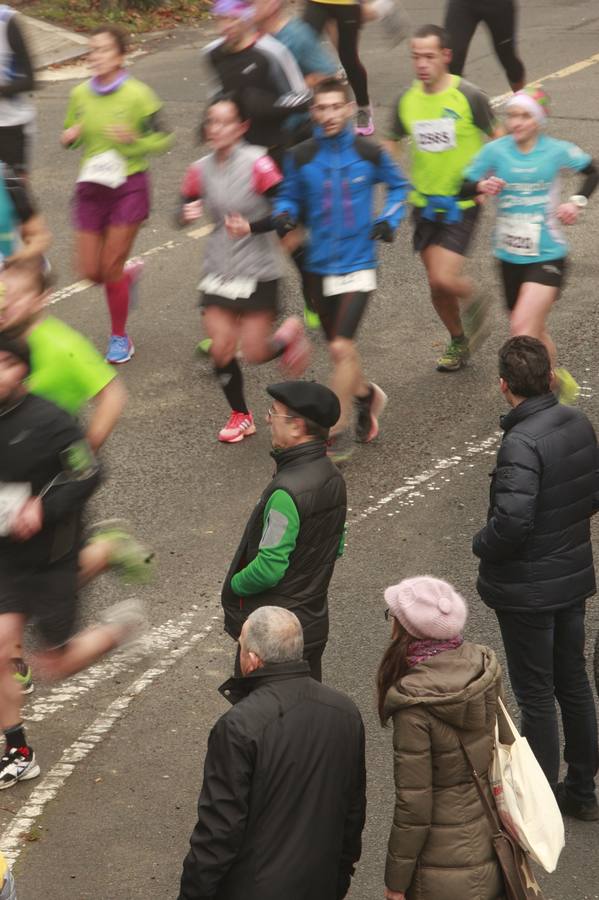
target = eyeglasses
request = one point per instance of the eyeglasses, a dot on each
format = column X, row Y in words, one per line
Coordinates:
column 271, row 414
column 388, row 614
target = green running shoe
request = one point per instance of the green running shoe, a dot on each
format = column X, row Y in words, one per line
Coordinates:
column 204, row 347
column 134, row 563
column 568, row 389
column 340, row 447
column 23, row 675
column 455, row 357
column 311, row 319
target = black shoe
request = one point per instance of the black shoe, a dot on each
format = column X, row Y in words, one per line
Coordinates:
column 569, row 806
column 368, row 410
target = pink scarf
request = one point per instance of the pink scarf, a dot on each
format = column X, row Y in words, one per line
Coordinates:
column 420, row 651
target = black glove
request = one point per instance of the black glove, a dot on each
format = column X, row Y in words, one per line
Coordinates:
column 283, row 224
column 382, row 231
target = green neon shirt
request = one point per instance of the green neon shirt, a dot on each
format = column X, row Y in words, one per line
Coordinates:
column 65, row 367
column 446, row 130
column 132, row 105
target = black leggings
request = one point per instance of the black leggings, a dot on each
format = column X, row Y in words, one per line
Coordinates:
column 340, row 316
column 348, row 18
column 461, row 20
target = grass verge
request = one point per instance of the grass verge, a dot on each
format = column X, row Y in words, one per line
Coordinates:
column 85, row 15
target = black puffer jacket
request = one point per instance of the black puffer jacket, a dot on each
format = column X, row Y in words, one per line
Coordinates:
column 283, row 802
column 535, row 549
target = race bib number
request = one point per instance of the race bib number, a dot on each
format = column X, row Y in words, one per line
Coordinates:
column 435, row 135
column 12, row 498
column 363, row 281
column 518, row 237
column 105, row 168
column 229, row 288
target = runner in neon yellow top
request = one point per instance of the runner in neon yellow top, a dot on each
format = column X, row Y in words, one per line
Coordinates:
column 114, row 119
column 446, row 120
column 68, row 370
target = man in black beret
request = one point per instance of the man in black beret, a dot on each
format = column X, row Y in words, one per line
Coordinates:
column 296, row 530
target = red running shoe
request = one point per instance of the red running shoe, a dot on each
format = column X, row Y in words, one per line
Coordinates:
column 296, row 356
column 239, row 426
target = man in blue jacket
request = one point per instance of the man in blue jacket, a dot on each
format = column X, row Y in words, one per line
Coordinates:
column 330, row 185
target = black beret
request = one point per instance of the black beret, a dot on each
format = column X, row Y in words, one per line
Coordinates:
column 16, row 347
column 309, row 399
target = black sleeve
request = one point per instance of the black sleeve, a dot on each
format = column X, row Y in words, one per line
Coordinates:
column 262, row 226
column 20, row 196
column 516, row 486
column 468, row 190
column 482, row 114
column 222, row 812
column 22, row 79
column 354, row 823
column 591, row 180
column 397, row 129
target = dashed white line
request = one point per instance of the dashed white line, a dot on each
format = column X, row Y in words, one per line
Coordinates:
column 48, row 788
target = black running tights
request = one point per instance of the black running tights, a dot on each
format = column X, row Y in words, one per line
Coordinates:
column 461, row 20
column 348, row 19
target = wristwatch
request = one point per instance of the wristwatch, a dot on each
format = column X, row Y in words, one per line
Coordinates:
column 579, row 200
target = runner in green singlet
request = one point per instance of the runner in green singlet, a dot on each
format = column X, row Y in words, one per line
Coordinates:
column 446, row 119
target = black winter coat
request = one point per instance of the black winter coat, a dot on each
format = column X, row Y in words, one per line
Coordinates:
column 283, row 802
column 535, row 550
column 317, row 488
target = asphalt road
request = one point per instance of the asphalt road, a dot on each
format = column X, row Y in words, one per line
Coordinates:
column 122, row 747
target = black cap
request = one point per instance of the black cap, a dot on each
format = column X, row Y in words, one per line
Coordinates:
column 309, row 399
column 16, row 347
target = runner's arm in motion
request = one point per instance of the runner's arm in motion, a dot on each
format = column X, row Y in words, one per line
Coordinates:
column 75, row 483
column 108, row 408
column 279, row 536
column 153, row 137
column 22, row 78
column 190, row 200
column 34, row 232
column 398, row 188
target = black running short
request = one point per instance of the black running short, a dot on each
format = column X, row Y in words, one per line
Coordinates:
column 46, row 596
column 339, row 316
column 455, row 237
column 551, row 273
column 14, row 147
column 264, row 299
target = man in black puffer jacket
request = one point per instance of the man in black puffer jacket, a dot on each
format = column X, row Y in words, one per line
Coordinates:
column 295, row 533
column 536, row 566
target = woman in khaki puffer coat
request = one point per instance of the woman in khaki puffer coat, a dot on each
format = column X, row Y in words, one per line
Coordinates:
column 434, row 686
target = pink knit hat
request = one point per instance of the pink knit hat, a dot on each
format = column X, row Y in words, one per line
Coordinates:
column 427, row 607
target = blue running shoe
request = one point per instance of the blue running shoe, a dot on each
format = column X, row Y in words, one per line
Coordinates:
column 120, row 349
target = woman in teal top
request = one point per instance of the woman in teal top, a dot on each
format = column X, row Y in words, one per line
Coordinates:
column 522, row 170
column 114, row 119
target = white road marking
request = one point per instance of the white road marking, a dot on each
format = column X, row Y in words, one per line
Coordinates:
column 160, row 638
column 407, row 493
column 47, row 789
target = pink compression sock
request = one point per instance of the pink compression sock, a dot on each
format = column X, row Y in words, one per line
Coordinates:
column 117, row 297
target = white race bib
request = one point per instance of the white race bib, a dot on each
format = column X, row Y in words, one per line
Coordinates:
column 12, row 498
column 229, row 288
column 435, row 135
column 518, row 236
column 363, row 281
column 106, row 168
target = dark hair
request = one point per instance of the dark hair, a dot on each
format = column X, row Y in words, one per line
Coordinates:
column 434, row 31
column 332, row 85
column 525, row 366
column 36, row 269
column 394, row 666
column 120, row 37
column 222, row 97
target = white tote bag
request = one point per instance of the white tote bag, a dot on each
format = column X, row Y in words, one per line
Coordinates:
column 524, row 799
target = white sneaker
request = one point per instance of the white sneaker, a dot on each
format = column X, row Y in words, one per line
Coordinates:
column 129, row 616
column 17, row 766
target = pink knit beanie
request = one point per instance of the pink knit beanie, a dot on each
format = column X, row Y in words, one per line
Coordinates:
column 427, row 607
